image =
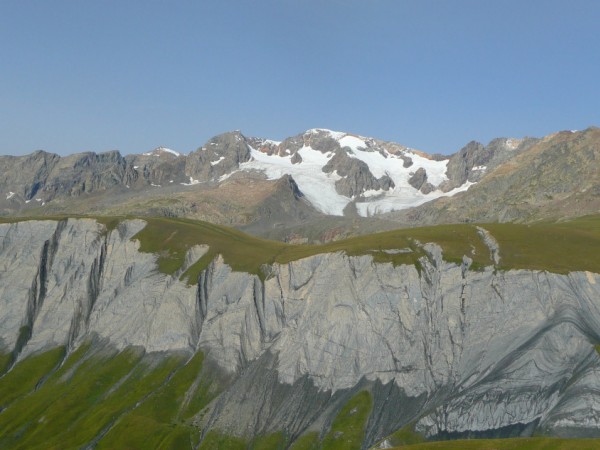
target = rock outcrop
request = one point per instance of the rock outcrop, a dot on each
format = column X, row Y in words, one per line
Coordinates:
column 456, row 351
column 355, row 176
column 219, row 156
column 419, row 181
column 475, row 160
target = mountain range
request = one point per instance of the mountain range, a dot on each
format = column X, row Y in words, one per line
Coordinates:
column 318, row 180
column 141, row 305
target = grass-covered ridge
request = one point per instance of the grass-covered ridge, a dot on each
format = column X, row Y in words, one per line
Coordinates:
column 534, row 443
column 555, row 247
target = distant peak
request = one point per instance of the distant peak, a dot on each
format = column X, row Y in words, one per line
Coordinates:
column 161, row 151
column 334, row 134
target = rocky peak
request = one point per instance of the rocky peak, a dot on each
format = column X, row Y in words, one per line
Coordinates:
column 419, row 181
column 355, row 176
column 461, row 164
column 232, row 146
column 221, row 155
column 474, row 160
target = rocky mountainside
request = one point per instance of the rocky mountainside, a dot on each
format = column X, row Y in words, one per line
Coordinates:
column 551, row 178
column 436, row 333
column 249, row 182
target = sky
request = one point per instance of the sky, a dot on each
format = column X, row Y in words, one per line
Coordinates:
column 82, row 75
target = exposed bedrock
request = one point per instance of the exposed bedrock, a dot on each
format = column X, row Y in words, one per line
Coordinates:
column 452, row 350
column 355, row 176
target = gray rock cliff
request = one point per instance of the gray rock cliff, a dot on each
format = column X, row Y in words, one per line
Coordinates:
column 456, row 351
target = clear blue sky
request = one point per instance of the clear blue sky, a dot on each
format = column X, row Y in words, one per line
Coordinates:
column 79, row 75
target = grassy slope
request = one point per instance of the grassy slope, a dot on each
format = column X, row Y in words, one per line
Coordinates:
column 124, row 400
column 348, row 428
column 556, row 247
column 562, row 247
column 509, row 444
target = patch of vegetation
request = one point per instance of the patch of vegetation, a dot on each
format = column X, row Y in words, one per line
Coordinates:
column 66, row 413
column 536, row 443
column 119, row 400
column 406, row 436
column 157, row 421
column 348, row 428
column 25, row 376
column 110, row 223
column 201, row 392
column 556, row 247
column 309, row 441
column 216, row 441
column 171, row 239
column 6, row 360
column 273, row 441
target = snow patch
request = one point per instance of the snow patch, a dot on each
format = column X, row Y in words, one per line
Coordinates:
column 192, row 182
column 168, row 150
column 157, row 151
column 317, row 186
column 480, row 168
column 512, row 144
column 214, row 163
column 372, row 193
column 355, row 143
column 334, row 134
column 404, row 198
column 10, row 195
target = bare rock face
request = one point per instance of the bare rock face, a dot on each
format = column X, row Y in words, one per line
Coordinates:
column 474, row 160
column 407, row 161
column 64, row 280
column 45, row 175
column 526, row 180
column 159, row 168
column 453, row 350
column 462, row 163
column 25, row 176
column 419, row 181
column 219, row 156
column 318, row 139
column 418, row 178
column 296, row 159
column 356, row 178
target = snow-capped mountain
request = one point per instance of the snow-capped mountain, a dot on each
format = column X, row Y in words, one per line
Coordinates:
column 333, row 169
column 239, row 180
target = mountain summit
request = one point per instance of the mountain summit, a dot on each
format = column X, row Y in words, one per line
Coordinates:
column 234, row 179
